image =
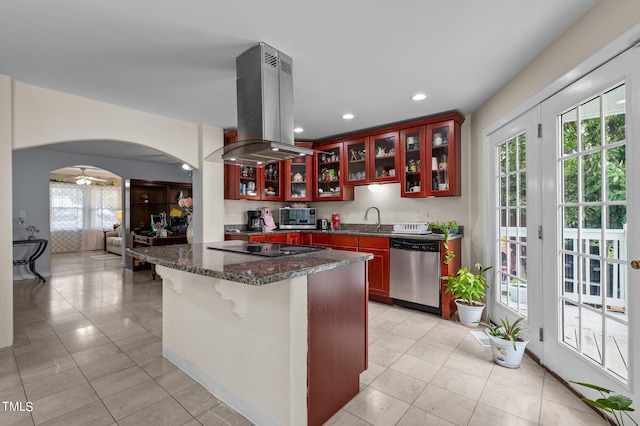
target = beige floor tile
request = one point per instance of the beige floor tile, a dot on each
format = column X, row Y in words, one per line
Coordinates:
column 520, row 404
column 382, row 324
column 555, row 391
column 344, row 418
column 397, row 314
column 428, row 352
column 175, row 381
column 105, row 366
column 416, row 367
column 553, row 414
column 446, row 405
column 158, row 367
column 399, row 385
column 166, row 412
column 47, row 368
column 416, row 417
column 382, row 355
column 441, row 340
column 94, row 414
column 146, row 353
column 485, row 415
column 119, row 381
column 514, row 378
column 93, row 354
column 374, row 334
column 38, row 389
column 196, row 399
column 370, row 374
column 130, row 343
column 422, row 320
column 409, row 331
column 395, row 342
column 134, row 399
column 221, row 414
column 460, row 383
column 376, row 407
column 480, row 368
column 63, row 402
column 10, row 379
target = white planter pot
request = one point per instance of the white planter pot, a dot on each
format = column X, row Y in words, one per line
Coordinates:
column 504, row 353
column 469, row 315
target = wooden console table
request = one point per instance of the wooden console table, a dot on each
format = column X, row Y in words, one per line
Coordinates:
column 151, row 241
column 31, row 260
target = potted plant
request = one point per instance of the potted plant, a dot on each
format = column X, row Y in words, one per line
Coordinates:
column 508, row 341
column 32, row 230
column 610, row 404
column 467, row 287
column 448, row 229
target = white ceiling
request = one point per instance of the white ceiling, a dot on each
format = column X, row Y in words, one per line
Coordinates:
column 176, row 58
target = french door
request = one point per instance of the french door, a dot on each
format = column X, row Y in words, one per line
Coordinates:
column 590, row 194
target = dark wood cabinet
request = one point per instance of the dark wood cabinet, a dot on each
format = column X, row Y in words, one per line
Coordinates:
column 329, row 174
column 377, row 268
column 443, row 144
column 413, row 166
column 383, row 159
column 356, row 153
column 298, row 179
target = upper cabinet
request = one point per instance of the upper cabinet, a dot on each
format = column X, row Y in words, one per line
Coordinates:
column 443, row 143
column 357, row 170
column 412, row 162
column 383, row 161
column 298, row 179
column 330, row 171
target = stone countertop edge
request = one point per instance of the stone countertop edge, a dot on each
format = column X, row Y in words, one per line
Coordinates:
column 382, row 234
column 244, row 268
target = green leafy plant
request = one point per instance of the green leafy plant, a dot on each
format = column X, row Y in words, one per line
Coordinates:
column 468, row 285
column 506, row 330
column 616, row 405
column 445, row 228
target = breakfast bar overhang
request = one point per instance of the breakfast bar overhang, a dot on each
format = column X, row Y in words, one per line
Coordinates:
column 281, row 340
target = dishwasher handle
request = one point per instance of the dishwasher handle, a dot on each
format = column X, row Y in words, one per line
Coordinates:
column 415, row 245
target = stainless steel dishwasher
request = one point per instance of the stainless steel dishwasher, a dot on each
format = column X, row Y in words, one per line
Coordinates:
column 414, row 271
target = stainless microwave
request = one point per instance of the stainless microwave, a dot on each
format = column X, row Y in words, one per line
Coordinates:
column 297, row 218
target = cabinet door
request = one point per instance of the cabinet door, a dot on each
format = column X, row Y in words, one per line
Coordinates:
column 383, row 161
column 272, row 183
column 298, row 177
column 378, row 272
column 257, row 238
column 293, row 238
column 443, row 140
column 305, row 239
column 412, row 163
column 356, row 153
column 330, row 170
column 277, row 238
column 322, row 240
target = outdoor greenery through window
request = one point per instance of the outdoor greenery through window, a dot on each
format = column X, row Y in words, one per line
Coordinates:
column 593, row 243
column 511, row 276
column 79, row 214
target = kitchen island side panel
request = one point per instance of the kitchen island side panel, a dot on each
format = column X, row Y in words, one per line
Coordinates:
column 337, row 338
column 246, row 344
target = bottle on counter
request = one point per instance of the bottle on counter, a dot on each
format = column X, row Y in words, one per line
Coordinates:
column 335, row 220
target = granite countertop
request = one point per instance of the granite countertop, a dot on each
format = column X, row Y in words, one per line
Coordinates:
column 244, row 268
column 386, row 231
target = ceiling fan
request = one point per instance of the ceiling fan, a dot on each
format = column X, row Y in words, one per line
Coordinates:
column 84, row 179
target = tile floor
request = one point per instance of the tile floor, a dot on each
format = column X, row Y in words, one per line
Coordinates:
column 88, row 351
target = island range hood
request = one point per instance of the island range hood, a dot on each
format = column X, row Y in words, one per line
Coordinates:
column 264, row 85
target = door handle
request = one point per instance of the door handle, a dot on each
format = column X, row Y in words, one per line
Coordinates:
column 635, row 264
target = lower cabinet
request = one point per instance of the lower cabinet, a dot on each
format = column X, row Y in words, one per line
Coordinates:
column 277, row 238
column 305, row 238
column 344, row 242
column 377, row 268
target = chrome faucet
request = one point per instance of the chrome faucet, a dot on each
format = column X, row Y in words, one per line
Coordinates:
column 366, row 214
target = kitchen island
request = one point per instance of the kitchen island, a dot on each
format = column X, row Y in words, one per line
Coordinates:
column 281, row 340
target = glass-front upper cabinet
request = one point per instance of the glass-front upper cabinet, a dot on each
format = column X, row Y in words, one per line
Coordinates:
column 356, row 152
column 443, row 140
column 272, row 182
column 299, row 177
column 383, row 161
column 412, row 162
column 330, row 171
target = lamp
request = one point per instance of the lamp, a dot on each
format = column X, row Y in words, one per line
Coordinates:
column 119, row 215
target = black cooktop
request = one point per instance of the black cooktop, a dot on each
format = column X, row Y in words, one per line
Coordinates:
column 262, row 249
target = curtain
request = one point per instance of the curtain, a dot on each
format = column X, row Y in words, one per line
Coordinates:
column 79, row 214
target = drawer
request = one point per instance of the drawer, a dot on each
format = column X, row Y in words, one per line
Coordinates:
column 345, row 240
column 374, row 242
column 321, row 239
column 141, row 239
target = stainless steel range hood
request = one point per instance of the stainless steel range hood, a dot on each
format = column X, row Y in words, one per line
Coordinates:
column 264, row 84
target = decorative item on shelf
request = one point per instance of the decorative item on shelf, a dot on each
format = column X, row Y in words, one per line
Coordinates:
column 186, row 204
column 160, row 227
column 437, row 139
column 298, row 178
column 32, row 229
column 145, row 198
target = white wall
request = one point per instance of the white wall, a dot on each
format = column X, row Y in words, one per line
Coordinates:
column 212, row 191
column 6, row 245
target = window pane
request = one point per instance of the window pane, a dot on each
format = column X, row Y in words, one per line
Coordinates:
column 616, row 169
column 592, row 217
column 502, row 158
column 590, row 124
column 592, row 334
column 522, row 151
column 522, row 178
column 503, row 192
column 512, row 190
column 592, row 177
column 511, row 155
column 570, row 179
column 617, row 353
column 569, row 132
column 570, row 322
column 614, row 104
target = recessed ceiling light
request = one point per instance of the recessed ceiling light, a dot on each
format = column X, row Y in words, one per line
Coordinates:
column 298, row 130
column 185, row 166
column 232, row 159
column 275, row 149
column 302, row 154
column 348, row 116
column 419, row 97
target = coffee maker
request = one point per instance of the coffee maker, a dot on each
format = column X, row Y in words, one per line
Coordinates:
column 254, row 223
